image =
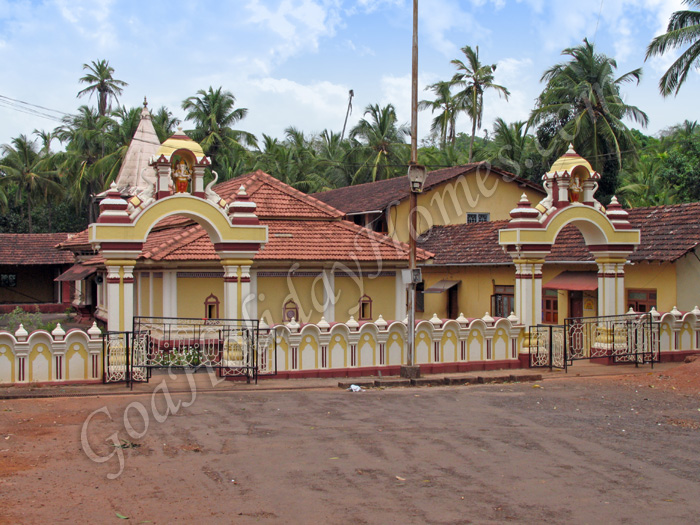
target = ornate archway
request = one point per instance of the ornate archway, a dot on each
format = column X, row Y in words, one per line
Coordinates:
column 123, row 227
column 531, row 232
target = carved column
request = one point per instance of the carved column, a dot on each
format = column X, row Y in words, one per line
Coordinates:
column 528, row 290
column 120, row 295
column 230, row 291
column 611, row 285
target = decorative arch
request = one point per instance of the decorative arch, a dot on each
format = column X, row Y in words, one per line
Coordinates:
column 532, row 231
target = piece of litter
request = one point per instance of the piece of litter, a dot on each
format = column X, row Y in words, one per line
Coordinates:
column 536, row 386
column 400, row 478
column 356, row 388
column 334, row 457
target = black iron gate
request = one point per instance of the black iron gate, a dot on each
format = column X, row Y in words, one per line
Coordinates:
column 628, row 338
column 231, row 347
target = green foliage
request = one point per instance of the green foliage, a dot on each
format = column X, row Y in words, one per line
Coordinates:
column 31, row 321
column 581, row 104
column 683, row 30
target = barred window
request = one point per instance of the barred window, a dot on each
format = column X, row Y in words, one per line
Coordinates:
column 478, row 217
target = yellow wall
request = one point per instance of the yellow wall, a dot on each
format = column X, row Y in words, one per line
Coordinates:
column 688, row 282
column 157, row 296
column 274, row 292
column 475, row 290
column 450, row 202
column 654, row 276
column 193, row 291
column 381, row 290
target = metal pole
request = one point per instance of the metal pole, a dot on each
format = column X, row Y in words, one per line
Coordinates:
column 413, row 196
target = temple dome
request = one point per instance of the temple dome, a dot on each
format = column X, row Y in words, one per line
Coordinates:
column 568, row 162
column 180, row 141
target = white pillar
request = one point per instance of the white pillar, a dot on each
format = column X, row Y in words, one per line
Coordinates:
column 113, row 305
column 128, row 313
column 329, row 295
column 230, row 292
column 611, row 286
column 528, row 291
column 245, row 292
column 170, row 293
column 400, row 297
column 253, row 303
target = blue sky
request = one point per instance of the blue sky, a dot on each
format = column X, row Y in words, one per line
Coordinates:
column 292, row 62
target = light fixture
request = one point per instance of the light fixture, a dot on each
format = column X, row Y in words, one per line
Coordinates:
column 416, row 177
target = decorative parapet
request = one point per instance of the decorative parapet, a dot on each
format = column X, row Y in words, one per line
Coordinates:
column 382, row 344
column 56, row 357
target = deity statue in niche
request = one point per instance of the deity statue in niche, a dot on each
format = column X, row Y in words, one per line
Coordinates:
column 575, row 188
column 182, row 174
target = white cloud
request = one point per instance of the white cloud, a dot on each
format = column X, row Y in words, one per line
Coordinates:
column 90, row 18
column 440, row 17
column 299, row 24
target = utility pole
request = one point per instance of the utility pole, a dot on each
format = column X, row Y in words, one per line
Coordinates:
column 416, row 179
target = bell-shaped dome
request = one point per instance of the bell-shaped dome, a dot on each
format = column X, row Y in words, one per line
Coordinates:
column 568, row 162
column 180, row 141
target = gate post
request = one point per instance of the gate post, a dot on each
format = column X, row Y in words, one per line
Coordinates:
column 230, row 291
column 611, row 285
column 120, row 295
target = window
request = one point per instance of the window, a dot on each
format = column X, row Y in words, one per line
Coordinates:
column 8, row 280
column 550, row 306
column 365, row 308
column 420, row 297
column 211, row 307
column 641, row 300
column 502, row 300
column 478, row 217
column 290, row 311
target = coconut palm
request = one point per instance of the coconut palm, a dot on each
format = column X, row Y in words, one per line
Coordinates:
column 164, row 123
column 101, row 82
column 508, row 147
column 86, row 137
column 644, row 185
column 24, row 167
column 683, row 29
column 449, row 107
column 476, row 78
column 379, row 148
column 581, row 104
column 213, row 115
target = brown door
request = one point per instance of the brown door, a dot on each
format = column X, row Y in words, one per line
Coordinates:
column 575, row 304
column 453, row 302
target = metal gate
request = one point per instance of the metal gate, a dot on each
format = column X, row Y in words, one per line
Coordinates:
column 628, row 338
column 232, row 347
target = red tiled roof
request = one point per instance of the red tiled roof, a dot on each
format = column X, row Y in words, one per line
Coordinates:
column 33, row 248
column 275, row 198
column 375, row 196
column 289, row 240
column 667, row 233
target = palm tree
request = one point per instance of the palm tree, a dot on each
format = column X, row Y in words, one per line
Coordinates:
column 379, row 148
column 86, row 138
column 509, row 146
column 213, row 115
column 475, row 78
column 444, row 122
column 581, row 104
column 644, row 185
column 164, row 123
column 101, row 81
column 683, row 29
column 25, row 168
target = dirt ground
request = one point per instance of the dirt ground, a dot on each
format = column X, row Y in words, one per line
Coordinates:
column 571, row 450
